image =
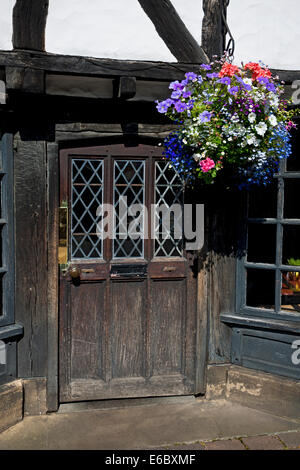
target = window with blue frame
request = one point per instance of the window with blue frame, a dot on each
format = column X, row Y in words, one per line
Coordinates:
column 268, row 277
column 9, row 331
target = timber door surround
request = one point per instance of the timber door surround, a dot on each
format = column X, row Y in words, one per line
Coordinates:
column 128, row 322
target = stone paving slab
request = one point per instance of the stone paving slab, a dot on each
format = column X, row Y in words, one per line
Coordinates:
column 146, row 427
column 263, row 443
column 291, row 440
column 232, row 444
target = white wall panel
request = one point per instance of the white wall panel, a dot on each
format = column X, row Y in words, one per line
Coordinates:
column 6, row 8
column 117, row 29
column 266, row 30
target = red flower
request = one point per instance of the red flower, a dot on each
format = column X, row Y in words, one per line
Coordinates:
column 257, row 70
column 228, row 70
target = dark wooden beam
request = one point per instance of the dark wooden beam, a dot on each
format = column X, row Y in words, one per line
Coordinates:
column 173, row 31
column 126, row 87
column 213, row 39
column 79, row 65
column 25, row 79
column 29, row 24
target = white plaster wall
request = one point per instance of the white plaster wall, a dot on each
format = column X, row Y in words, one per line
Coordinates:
column 266, row 30
column 6, row 8
column 118, row 29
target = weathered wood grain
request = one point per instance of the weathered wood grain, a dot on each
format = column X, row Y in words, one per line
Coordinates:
column 53, row 275
column 173, row 31
column 31, row 255
column 29, row 24
column 94, row 66
column 213, row 39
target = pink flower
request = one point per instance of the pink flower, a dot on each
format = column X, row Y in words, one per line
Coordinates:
column 207, row 164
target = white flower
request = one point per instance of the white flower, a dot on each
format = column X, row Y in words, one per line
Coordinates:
column 272, row 120
column 248, row 81
column 251, row 117
column 261, row 128
column 250, row 139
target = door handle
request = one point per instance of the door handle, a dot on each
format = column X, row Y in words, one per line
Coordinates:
column 74, row 272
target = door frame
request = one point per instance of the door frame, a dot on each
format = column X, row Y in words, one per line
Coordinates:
column 52, row 389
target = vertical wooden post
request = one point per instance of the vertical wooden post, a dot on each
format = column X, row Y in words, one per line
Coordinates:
column 213, row 36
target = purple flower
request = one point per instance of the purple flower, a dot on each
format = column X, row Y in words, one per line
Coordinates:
column 190, row 104
column 271, row 87
column 191, row 76
column 233, row 90
column 239, row 79
column 186, row 94
column 180, row 107
column 212, row 75
column 205, row 116
column 225, row 80
column 205, row 66
column 176, row 94
column 163, row 106
column 176, row 85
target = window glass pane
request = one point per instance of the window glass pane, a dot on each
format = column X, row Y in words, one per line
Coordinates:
column 261, row 243
column 291, row 199
column 291, row 244
column 290, row 291
column 293, row 162
column 129, row 199
column 168, row 223
column 263, row 202
column 261, row 288
column 87, row 198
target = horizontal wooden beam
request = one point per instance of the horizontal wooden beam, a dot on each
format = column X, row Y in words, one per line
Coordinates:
column 29, row 24
column 78, row 65
column 173, row 31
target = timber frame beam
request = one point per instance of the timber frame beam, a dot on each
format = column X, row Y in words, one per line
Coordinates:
column 173, row 31
column 29, row 24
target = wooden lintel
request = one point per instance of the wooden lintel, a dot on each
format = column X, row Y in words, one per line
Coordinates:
column 173, row 31
column 25, row 79
column 29, row 24
column 78, row 65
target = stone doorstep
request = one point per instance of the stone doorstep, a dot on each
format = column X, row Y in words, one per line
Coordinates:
column 254, row 389
column 11, row 399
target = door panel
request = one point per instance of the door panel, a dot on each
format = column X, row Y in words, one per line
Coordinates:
column 126, row 328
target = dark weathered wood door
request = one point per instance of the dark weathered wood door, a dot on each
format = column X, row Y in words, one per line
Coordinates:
column 128, row 320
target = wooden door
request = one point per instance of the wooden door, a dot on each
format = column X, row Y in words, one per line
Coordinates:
column 128, row 323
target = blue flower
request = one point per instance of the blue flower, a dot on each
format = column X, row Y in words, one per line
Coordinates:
column 225, row 80
column 233, row 90
column 205, row 116
column 176, row 94
column 191, row 76
column 176, row 85
column 163, row 106
column 180, row 106
column 205, row 66
column 212, row 75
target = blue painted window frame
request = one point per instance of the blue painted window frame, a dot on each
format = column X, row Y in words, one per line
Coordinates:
column 242, row 264
column 7, row 267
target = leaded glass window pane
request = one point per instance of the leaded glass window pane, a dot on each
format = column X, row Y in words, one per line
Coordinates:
column 169, row 211
column 87, row 198
column 129, row 200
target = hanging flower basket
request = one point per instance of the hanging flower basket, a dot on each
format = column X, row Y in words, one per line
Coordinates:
column 231, row 120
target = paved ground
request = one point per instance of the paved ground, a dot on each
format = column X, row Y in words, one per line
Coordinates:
column 178, row 424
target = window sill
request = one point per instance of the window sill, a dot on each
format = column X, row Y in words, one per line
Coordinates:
column 11, row 331
column 264, row 323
